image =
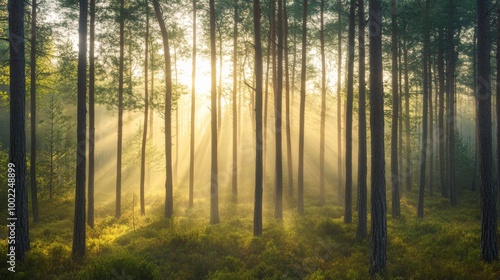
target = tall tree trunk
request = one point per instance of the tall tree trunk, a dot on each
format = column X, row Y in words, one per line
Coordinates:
column 474, row 91
column 214, row 192
column 379, row 221
column 323, row 107
column 90, row 195
column 339, row 107
column 441, row 127
column 431, row 132
column 193, row 109
column 235, row 106
column 451, row 108
column 348, row 127
column 79, row 222
column 423, row 158
column 278, row 211
column 169, row 207
column 362, row 231
column 287, row 108
column 17, row 156
column 396, row 208
column 146, row 111
column 407, row 111
column 300, row 182
column 120, row 113
column 34, row 192
column 489, row 246
column 257, row 218
column 219, row 95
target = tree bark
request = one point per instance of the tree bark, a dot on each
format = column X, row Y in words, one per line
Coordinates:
column 300, row 193
column 407, row 116
column 423, row 157
column 90, row 195
column 323, row 107
column 257, row 219
column 169, row 208
column 441, row 127
column 362, row 231
column 278, row 211
column 79, row 222
column 235, row 106
column 17, row 154
column 489, row 246
column 34, row 192
column 287, row 108
column 193, row 110
column 451, row 108
column 146, row 111
column 214, row 192
column 396, row 208
column 431, row 132
column 120, row 113
column 339, row 107
column 379, row 221
column 348, row 127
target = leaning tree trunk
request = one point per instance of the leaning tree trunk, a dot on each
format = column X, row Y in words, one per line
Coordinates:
column 169, row 208
column 79, row 224
column 379, row 221
column 489, row 246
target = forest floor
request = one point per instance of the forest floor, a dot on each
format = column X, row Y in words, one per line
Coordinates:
column 317, row 245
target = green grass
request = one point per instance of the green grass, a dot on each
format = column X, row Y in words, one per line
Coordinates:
column 318, row 245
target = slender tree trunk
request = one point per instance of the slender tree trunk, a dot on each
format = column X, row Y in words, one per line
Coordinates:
column 441, row 128
column 146, row 111
column 489, row 246
column 214, row 192
column 407, row 116
column 120, row 113
column 34, row 192
column 431, row 133
column 451, row 108
column 300, row 193
column 193, row 109
column 257, row 218
column 79, row 222
column 423, row 157
column 17, row 156
column 396, row 209
column 278, row 211
column 362, row 231
column 90, row 195
column 349, row 105
column 287, row 107
column 476, row 142
column 379, row 221
column 235, row 106
column 219, row 95
column 169, row 208
column 323, row 107
column 339, row 107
